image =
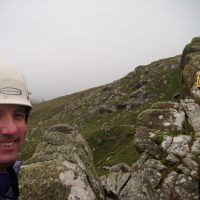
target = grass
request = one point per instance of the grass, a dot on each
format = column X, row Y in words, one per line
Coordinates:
column 187, row 130
column 113, row 146
column 110, row 135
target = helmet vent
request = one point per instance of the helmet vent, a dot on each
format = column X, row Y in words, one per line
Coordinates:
column 10, row 91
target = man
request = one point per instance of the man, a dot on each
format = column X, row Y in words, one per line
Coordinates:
column 14, row 111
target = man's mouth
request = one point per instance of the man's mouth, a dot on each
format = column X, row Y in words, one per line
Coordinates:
column 7, row 144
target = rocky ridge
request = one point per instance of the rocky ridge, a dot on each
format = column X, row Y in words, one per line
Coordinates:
column 167, row 137
column 106, row 116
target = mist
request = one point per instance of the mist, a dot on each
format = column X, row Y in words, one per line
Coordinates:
column 65, row 46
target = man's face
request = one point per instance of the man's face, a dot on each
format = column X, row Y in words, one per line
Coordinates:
column 12, row 132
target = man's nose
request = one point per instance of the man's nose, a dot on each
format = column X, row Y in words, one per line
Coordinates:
column 8, row 126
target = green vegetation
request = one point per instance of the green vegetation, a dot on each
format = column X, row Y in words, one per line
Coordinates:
column 113, row 146
column 109, row 132
column 187, row 130
column 159, row 138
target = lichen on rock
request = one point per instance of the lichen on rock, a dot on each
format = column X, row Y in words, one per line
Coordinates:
column 61, row 168
column 168, row 138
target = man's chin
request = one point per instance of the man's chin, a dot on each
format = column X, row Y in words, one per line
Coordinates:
column 7, row 162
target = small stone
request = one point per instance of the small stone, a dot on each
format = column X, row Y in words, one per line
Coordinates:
column 120, row 167
column 172, row 159
column 194, row 174
column 197, row 134
column 183, row 169
column 155, row 164
column 166, row 124
column 195, row 149
column 167, row 140
column 180, row 145
column 191, row 164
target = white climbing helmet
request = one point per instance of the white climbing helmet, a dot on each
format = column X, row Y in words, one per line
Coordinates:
column 13, row 86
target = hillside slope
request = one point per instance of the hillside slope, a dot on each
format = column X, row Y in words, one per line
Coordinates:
column 168, row 139
column 106, row 115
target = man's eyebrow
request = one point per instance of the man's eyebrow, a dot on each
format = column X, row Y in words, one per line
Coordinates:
column 20, row 110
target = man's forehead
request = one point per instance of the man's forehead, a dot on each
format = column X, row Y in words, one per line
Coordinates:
column 12, row 107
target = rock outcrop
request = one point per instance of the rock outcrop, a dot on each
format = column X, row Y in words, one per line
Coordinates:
column 168, row 138
column 190, row 65
column 61, row 168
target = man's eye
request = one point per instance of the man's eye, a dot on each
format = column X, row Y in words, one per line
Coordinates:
column 20, row 115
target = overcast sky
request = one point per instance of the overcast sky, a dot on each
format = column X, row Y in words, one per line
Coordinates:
column 65, row 46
